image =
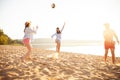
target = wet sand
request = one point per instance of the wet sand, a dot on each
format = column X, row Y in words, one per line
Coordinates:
column 69, row 66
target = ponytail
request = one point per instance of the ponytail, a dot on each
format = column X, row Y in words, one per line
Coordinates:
column 25, row 28
column 27, row 24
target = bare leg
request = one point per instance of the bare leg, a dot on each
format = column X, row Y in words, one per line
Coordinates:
column 29, row 51
column 28, row 54
column 58, row 47
column 105, row 56
column 57, row 50
column 113, row 55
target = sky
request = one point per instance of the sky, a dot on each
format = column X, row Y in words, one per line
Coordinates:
column 84, row 18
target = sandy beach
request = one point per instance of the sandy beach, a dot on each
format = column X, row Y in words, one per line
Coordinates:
column 69, row 66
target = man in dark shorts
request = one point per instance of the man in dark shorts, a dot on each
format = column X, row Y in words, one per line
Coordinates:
column 109, row 43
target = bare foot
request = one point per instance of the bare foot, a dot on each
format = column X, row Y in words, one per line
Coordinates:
column 22, row 59
column 28, row 59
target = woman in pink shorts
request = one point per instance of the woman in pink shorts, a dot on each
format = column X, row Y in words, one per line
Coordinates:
column 28, row 36
column 26, row 41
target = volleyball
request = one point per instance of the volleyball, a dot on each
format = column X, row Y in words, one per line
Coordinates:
column 53, row 5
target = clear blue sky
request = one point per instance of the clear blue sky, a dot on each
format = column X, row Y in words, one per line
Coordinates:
column 84, row 18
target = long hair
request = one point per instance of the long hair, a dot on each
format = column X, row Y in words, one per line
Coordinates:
column 58, row 30
column 27, row 24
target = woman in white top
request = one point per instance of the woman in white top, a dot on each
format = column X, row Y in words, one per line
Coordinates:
column 28, row 36
column 58, row 38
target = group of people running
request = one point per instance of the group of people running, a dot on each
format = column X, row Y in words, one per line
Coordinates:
column 108, row 34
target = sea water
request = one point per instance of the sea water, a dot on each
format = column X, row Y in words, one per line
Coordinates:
column 94, row 50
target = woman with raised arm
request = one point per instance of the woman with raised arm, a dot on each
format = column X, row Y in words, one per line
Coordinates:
column 28, row 36
column 58, row 38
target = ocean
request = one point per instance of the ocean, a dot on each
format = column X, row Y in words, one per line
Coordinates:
column 93, row 47
column 94, row 50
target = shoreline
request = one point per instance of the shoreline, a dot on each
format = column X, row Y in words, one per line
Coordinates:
column 69, row 66
column 84, row 49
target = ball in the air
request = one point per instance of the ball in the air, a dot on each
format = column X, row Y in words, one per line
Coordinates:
column 53, row 5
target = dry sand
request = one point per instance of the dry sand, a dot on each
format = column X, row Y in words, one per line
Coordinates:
column 69, row 66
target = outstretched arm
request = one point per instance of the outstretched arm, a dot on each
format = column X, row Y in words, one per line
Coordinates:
column 53, row 35
column 63, row 27
column 116, row 37
column 34, row 30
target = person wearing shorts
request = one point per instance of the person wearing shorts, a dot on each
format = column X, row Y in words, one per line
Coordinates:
column 109, row 43
column 28, row 36
column 58, row 38
column 26, row 41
